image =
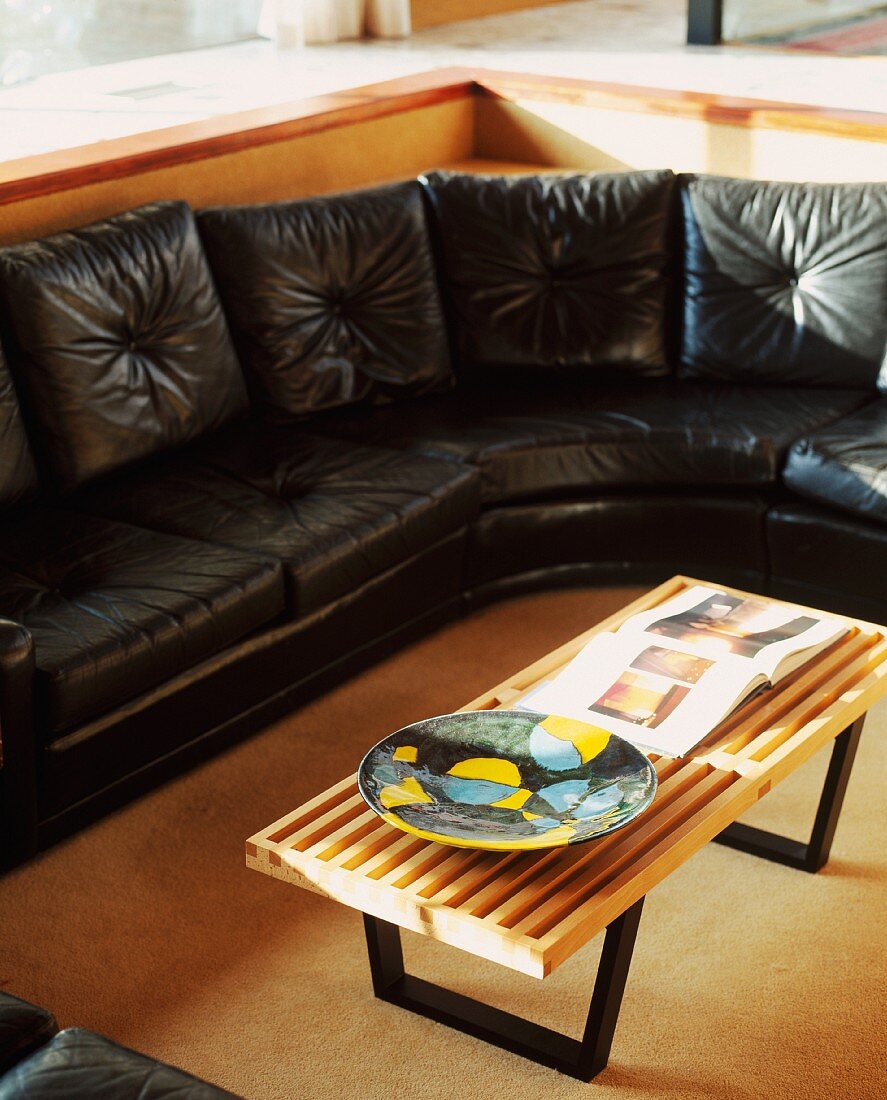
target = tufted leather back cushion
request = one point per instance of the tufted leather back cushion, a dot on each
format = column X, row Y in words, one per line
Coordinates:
column 18, row 475
column 119, row 340
column 332, row 300
column 785, row 282
column 547, row 272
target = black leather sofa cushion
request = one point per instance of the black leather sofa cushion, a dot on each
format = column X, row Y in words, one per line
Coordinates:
column 18, row 474
column 539, row 442
column 114, row 609
column 119, row 340
column 188, row 718
column 334, row 513
column 827, row 559
column 332, row 300
column 81, row 1065
column 547, row 272
column 23, row 1028
column 845, row 463
column 785, row 282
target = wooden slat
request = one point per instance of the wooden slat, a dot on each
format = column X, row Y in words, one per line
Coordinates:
column 637, row 880
column 811, row 707
column 600, row 870
column 762, row 714
column 347, row 838
column 319, row 827
column 403, row 848
column 514, row 907
column 292, row 822
column 423, row 863
column 531, row 910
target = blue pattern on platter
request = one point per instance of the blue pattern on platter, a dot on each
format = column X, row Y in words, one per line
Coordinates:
column 506, row 780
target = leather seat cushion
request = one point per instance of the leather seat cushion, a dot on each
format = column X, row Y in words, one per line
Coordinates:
column 119, row 340
column 81, row 1065
column 334, row 513
column 23, row 1028
column 332, row 300
column 533, row 443
column 267, row 674
column 785, row 282
column 115, row 609
column 845, row 463
column 553, row 271
column 18, row 474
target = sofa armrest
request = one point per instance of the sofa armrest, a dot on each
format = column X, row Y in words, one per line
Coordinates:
column 844, row 464
column 18, row 749
column 24, row 1028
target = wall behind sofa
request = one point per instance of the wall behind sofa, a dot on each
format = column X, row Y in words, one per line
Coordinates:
column 601, row 128
column 481, row 120
column 346, row 141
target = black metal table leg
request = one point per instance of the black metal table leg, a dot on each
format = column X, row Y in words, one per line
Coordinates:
column 579, row 1058
column 794, row 853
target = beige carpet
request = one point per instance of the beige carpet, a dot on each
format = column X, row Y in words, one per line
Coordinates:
column 748, row 979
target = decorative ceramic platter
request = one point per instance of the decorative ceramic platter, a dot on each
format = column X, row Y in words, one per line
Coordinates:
column 506, row 780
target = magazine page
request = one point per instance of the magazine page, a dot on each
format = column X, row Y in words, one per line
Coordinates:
column 716, row 624
column 655, row 692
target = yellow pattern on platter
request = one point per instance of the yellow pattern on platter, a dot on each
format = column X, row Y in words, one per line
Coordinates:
column 403, row 794
column 554, row 838
column 491, row 768
column 589, row 740
column 514, row 801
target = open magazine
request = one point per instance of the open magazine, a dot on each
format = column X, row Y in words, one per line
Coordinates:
column 667, row 677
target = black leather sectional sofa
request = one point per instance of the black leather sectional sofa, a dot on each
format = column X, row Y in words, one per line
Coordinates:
column 243, row 452
column 39, row 1062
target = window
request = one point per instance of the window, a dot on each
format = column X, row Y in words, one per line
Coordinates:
column 38, row 37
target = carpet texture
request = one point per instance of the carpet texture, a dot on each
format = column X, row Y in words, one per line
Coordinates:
column 749, row 979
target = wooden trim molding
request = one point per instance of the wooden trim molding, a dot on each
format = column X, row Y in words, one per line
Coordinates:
column 45, row 173
column 48, row 173
column 730, row 110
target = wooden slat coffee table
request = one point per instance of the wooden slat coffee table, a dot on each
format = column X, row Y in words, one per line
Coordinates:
column 532, row 910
